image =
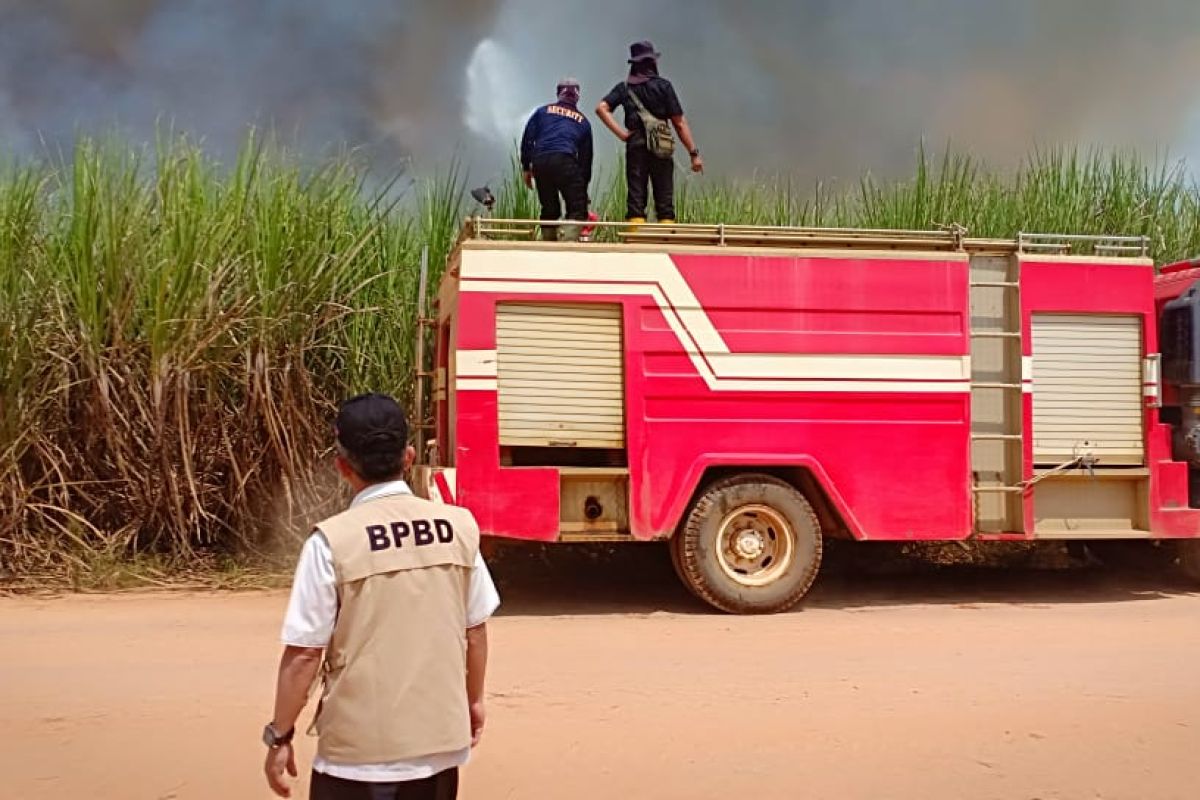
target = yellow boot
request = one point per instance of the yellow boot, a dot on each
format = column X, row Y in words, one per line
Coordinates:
column 635, row 223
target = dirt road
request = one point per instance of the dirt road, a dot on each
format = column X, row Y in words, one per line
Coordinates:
column 957, row 685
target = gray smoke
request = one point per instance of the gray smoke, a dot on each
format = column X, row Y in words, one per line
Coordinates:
column 817, row 88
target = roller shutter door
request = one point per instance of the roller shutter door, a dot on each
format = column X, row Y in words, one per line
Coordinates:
column 1087, row 388
column 561, row 376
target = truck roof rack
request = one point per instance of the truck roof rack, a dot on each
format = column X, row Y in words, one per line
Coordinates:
column 1068, row 244
column 949, row 238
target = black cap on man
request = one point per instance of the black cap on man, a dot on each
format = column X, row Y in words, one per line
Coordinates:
column 372, row 435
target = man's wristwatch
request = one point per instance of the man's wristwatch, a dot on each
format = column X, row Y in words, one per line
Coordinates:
column 694, row 152
column 273, row 738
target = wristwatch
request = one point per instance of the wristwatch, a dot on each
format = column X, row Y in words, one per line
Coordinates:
column 695, row 152
column 273, row 738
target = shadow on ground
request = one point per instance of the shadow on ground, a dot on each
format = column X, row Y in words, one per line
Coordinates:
column 537, row 580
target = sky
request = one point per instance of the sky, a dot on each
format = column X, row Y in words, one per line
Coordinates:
column 816, row 89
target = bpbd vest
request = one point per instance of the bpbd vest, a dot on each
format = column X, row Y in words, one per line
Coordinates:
column 395, row 669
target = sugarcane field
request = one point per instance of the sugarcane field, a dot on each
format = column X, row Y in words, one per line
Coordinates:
column 494, row 399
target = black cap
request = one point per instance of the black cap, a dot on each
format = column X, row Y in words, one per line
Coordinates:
column 372, row 430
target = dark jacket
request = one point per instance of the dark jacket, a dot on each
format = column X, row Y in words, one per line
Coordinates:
column 558, row 128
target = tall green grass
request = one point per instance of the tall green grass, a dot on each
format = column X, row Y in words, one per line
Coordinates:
column 1058, row 190
column 175, row 333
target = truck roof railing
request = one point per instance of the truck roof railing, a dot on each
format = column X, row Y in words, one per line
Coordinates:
column 1068, row 244
column 950, row 238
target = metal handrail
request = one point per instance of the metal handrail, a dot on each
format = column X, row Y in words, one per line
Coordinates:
column 1099, row 244
column 500, row 223
column 952, row 238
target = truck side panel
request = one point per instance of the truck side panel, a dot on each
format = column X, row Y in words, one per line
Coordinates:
column 1076, row 284
column 518, row 503
column 851, row 365
column 869, row 393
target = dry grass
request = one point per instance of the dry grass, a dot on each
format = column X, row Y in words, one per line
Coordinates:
column 173, row 339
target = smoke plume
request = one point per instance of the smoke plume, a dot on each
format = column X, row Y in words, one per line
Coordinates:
column 822, row 88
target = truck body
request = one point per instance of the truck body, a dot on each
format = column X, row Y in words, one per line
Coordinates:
column 746, row 392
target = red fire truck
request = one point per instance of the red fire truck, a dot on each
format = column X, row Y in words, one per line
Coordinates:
column 746, row 392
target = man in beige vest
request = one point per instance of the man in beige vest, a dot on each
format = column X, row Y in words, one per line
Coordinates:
column 390, row 603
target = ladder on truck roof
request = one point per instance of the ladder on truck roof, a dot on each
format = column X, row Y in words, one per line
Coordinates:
column 950, row 238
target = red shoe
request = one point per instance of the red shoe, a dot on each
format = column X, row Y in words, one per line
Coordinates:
column 585, row 235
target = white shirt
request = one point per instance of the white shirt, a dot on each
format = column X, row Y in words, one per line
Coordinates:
column 312, row 613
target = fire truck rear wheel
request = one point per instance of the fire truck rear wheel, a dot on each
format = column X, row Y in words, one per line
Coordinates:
column 673, row 547
column 751, row 544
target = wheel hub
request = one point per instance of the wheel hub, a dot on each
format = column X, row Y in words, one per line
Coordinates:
column 749, row 544
column 755, row 545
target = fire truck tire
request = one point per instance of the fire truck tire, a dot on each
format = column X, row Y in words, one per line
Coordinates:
column 672, row 545
column 750, row 544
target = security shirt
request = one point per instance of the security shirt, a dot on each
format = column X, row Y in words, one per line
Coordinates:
column 558, row 128
column 657, row 95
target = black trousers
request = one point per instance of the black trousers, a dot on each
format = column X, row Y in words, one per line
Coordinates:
column 557, row 174
column 642, row 168
column 443, row 786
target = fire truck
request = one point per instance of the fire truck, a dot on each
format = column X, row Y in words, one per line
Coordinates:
column 747, row 392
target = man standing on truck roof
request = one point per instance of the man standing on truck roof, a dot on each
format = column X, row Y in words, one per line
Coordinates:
column 650, row 102
column 556, row 153
column 390, row 605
